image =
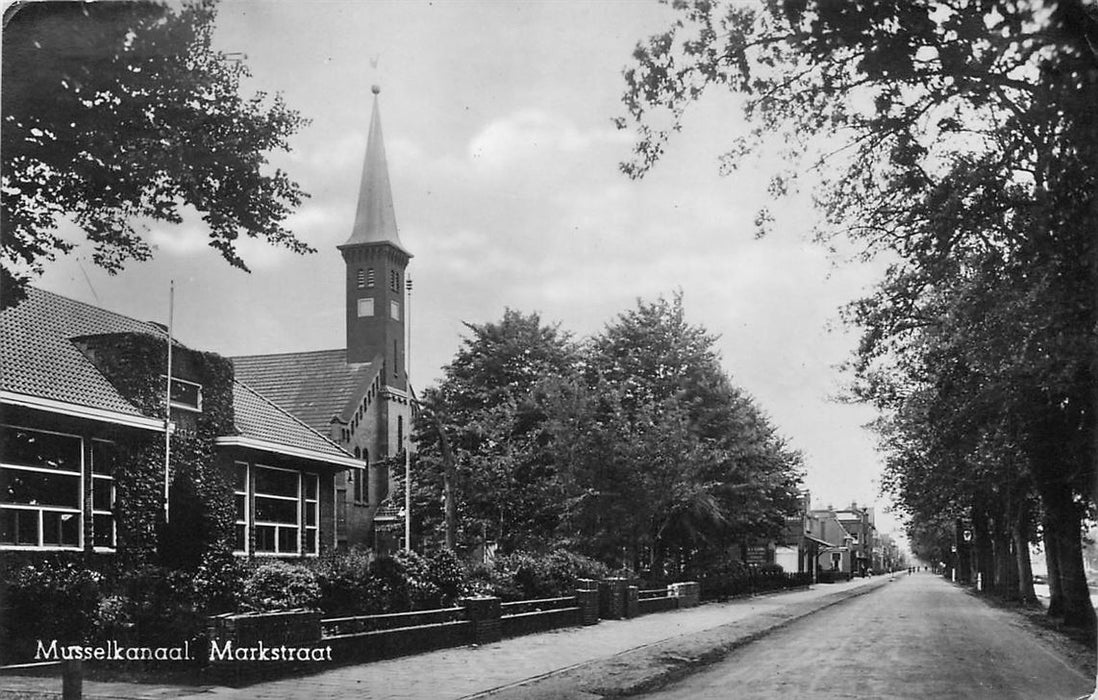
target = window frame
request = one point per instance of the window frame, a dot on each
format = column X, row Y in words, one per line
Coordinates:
column 307, row 540
column 113, row 499
column 41, row 510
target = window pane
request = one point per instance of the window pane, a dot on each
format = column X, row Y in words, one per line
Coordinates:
column 274, row 482
column 104, row 531
column 39, row 488
column 240, row 474
column 240, row 538
column 19, row 527
column 287, row 539
column 101, row 494
column 186, row 393
column 60, row 529
column 310, row 541
column 274, row 510
column 35, row 449
column 310, row 514
column 265, row 538
column 241, row 510
column 310, row 486
column 104, row 457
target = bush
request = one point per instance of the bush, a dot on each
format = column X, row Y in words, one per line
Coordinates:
column 51, row 599
column 218, row 584
column 149, row 606
column 448, row 576
column 525, row 576
column 344, row 580
column 280, row 586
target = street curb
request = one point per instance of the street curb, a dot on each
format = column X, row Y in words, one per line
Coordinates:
column 645, row 668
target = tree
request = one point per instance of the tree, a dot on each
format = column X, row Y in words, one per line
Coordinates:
column 947, row 135
column 490, row 408
column 717, row 470
column 116, row 113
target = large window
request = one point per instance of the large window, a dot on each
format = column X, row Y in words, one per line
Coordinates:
column 284, row 517
column 40, row 489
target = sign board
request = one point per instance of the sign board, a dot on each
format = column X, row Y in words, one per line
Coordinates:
column 757, row 555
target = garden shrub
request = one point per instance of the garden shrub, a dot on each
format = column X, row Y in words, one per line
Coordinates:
column 150, row 606
column 47, row 600
column 344, row 581
column 527, row 576
column 218, row 584
column 446, row 573
column 277, row 585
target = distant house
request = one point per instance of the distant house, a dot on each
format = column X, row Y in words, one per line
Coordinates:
column 307, row 440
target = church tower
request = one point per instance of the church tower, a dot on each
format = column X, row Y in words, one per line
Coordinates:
column 376, row 263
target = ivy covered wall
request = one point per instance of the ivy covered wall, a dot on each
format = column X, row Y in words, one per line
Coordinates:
column 199, row 530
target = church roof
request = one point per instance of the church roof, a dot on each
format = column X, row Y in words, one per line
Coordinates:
column 313, row 386
column 375, row 218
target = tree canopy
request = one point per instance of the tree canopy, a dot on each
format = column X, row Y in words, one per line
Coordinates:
column 119, row 113
column 633, row 446
column 960, row 139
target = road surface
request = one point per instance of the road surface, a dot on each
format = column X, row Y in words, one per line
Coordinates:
column 918, row 637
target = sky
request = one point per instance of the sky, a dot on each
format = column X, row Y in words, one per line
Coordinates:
column 504, row 168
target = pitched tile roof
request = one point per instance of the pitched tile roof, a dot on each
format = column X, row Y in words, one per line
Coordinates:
column 258, row 418
column 37, row 357
column 313, row 386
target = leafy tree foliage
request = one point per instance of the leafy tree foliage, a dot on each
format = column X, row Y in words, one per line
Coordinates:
column 961, row 139
column 115, row 113
column 490, row 412
column 634, row 448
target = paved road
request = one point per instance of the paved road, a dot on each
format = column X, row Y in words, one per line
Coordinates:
column 919, row 637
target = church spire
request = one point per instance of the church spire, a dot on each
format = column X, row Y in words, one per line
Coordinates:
column 375, row 219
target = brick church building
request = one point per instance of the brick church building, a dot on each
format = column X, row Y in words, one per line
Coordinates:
column 359, row 396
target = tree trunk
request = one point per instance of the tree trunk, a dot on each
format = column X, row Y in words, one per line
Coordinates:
column 982, row 541
column 1020, row 532
column 1065, row 519
column 448, row 467
column 1052, row 562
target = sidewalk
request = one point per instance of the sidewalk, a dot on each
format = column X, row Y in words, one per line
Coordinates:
column 604, row 659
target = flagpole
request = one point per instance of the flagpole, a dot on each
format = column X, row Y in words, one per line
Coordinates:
column 408, row 432
column 168, row 404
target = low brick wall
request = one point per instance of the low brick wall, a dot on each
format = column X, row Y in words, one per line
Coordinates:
column 687, row 592
column 339, row 626
column 587, row 600
column 479, row 620
column 632, row 604
column 399, row 641
column 483, row 613
column 654, row 605
column 612, row 592
column 246, row 647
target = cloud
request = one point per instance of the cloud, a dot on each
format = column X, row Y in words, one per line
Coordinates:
column 532, row 134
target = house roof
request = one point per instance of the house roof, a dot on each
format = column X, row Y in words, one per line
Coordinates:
column 41, row 367
column 265, row 426
column 313, row 386
column 39, row 360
